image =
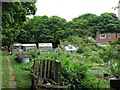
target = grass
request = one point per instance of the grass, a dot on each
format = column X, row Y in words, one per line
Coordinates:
column 23, row 77
column 5, row 71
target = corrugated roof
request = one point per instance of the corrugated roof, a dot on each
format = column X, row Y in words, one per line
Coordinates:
column 27, row 45
column 17, row 44
column 45, row 45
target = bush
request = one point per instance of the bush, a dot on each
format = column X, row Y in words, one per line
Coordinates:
column 95, row 59
column 92, row 82
column 80, row 50
column 116, row 72
column 73, row 73
column 34, row 54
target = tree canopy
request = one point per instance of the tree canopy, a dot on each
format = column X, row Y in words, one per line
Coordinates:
column 13, row 18
column 44, row 29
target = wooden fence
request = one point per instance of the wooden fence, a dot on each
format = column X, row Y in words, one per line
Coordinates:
column 46, row 75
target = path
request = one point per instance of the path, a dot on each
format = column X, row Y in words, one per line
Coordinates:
column 12, row 81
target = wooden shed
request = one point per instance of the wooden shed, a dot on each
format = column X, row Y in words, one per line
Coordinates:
column 16, row 48
column 29, row 47
column 45, row 47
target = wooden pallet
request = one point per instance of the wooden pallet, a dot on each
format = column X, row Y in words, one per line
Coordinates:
column 47, row 75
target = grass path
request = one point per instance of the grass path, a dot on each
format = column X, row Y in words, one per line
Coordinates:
column 23, row 77
column 5, row 71
column 12, row 81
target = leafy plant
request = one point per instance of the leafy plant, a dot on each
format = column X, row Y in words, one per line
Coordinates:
column 95, row 59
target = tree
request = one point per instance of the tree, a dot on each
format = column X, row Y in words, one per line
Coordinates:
column 80, row 25
column 13, row 17
column 39, row 29
column 87, row 16
column 105, row 23
column 57, row 28
column 42, row 29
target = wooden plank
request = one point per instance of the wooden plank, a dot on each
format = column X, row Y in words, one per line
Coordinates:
column 52, row 76
column 57, row 71
column 41, row 69
column 48, row 69
column 45, row 68
column 34, row 73
column 33, row 70
column 50, row 72
column 37, row 68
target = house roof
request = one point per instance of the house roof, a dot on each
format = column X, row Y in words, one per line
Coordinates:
column 44, row 44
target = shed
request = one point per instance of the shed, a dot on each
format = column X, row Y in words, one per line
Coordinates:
column 16, row 48
column 70, row 48
column 45, row 47
column 27, row 47
column 17, row 44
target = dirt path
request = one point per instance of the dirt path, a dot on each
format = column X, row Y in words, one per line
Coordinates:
column 12, row 81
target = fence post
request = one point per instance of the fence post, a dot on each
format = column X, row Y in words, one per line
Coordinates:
column 57, row 71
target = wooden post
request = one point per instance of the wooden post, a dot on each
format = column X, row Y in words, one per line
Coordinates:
column 52, row 76
column 45, row 68
column 57, row 71
column 41, row 69
column 48, row 69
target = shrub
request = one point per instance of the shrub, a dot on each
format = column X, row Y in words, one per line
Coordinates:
column 92, row 82
column 116, row 71
column 95, row 59
column 80, row 50
column 34, row 54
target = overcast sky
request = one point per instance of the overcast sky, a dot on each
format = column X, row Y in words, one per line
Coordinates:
column 70, row 9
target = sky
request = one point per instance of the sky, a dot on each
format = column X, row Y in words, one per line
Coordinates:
column 69, row 9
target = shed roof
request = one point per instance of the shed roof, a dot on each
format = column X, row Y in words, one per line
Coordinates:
column 28, row 45
column 45, row 45
column 17, row 44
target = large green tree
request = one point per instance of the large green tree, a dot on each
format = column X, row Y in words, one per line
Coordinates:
column 57, row 28
column 87, row 16
column 13, row 18
column 105, row 23
column 43, row 29
column 37, row 30
column 80, row 25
